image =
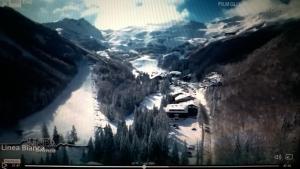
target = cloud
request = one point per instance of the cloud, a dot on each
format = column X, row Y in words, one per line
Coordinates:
column 49, row 1
column 66, row 9
column 116, row 14
column 185, row 13
column 274, row 8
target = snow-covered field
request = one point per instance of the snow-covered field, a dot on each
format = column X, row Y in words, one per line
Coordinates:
column 148, row 65
column 186, row 132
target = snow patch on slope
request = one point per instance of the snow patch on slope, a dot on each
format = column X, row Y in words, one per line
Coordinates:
column 148, row 65
column 153, row 100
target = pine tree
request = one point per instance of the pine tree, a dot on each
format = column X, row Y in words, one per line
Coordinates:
column 198, row 153
column 41, row 161
column 61, row 138
column 184, row 156
column 161, row 147
column 98, row 144
column 65, row 158
column 121, row 132
column 47, row 159
column 246, row 155
column 90, row 153
column 109, row 145
column 83, row 157
column 165, row 147
column 164, row 86
column 144, row 149
column 55, row 136
column 237, row 150
column 151, row 149
column 155, row 110
column 174, row 155
column 130, row 133
column 137, row 122
column 54, row 159
column 23, row 161
column 134, row 148
column 45, row 132
column 125, row 150
column 73, row 138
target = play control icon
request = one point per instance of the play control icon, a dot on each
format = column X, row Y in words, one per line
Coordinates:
column 289, row 157
column 278, row 157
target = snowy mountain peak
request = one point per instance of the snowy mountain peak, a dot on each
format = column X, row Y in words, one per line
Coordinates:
column 79, row 31
column 76, row 28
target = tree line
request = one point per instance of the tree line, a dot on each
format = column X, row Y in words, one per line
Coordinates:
column 146, row 141
column 61, row 155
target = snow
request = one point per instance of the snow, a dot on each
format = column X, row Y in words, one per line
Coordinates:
column 185, row 132
column 200, row 95
column 148, row 65
column 133, row 51
column 59, row 30
column 103, row 54
column 74, row 106
column 102, row 121
column 129, row 120
column 114, row 49
column 214, row 77
column 153, row 100
column 197, row 41
column 217, row 30
column 121, row 38
column 135, row 73
column 175, row 73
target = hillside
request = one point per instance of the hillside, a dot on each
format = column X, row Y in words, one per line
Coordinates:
column 35, row 65
column 230, row 49
column 256, row 110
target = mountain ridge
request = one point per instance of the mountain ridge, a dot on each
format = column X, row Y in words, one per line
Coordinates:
column 79, row 31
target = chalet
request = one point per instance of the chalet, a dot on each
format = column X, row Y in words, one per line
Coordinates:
column 183, row 98
column 177, row 111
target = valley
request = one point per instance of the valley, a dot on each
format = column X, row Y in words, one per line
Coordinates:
column 155, row 95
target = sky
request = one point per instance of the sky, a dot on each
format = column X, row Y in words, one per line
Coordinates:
column 117, row 14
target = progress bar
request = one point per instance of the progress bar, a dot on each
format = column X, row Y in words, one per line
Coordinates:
column 145, row 167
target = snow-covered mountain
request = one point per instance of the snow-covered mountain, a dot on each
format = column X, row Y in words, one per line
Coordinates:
column 176, row 34
column 180, row 39
column 79, row 31
column 153, row 39
column 172, row 44
column 222, row 28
